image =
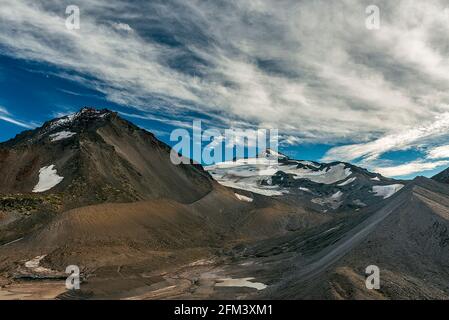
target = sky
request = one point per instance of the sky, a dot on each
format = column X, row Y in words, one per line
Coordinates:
column 335, row 89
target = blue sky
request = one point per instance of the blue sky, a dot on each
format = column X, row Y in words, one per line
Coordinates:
column 334, row 89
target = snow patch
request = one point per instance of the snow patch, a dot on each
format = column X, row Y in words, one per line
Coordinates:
column 375, row 179
column 48, row 178
column 359, row 203
column 244, row 282
column 61, row 135
column 387, row 191
column 305, row 189
column 34, row 265
column 349, row 181
column 243, row 198
column 334, row 201
column 337, row 195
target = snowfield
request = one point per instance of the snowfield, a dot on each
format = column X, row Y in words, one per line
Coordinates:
column 61, row 135
column 247, row 174
column 255, row 173
column 387, row 191
column 48, row 178
column 330, row 175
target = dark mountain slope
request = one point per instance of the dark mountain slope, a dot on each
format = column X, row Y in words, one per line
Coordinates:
column 406, row 236
column 101, row 158
column 442, row 177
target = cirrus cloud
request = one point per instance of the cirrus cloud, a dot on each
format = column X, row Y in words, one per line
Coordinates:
column 311, row 69
column 5, row 115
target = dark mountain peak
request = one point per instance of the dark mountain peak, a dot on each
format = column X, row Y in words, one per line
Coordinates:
column 92, row 110
column 95, row 156
column 270, row 153
column 86, row 119
column 85, row 116
column 442, row 177
column 93, row 113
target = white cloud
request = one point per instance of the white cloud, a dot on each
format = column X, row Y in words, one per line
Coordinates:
column 264, row 63
column 440, row 152
column 6, row 116
column 393, row 142
column 289, row 140
column 410, row 168
column 310, row 68
column 369, row 153
column 122, row 26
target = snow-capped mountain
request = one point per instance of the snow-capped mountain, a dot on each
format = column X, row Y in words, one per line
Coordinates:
column 332, row 186
column 94, row 190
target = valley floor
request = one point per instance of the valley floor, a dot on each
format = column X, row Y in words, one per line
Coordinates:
column 406, row 237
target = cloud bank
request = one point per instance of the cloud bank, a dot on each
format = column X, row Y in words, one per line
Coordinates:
column 309, row 68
